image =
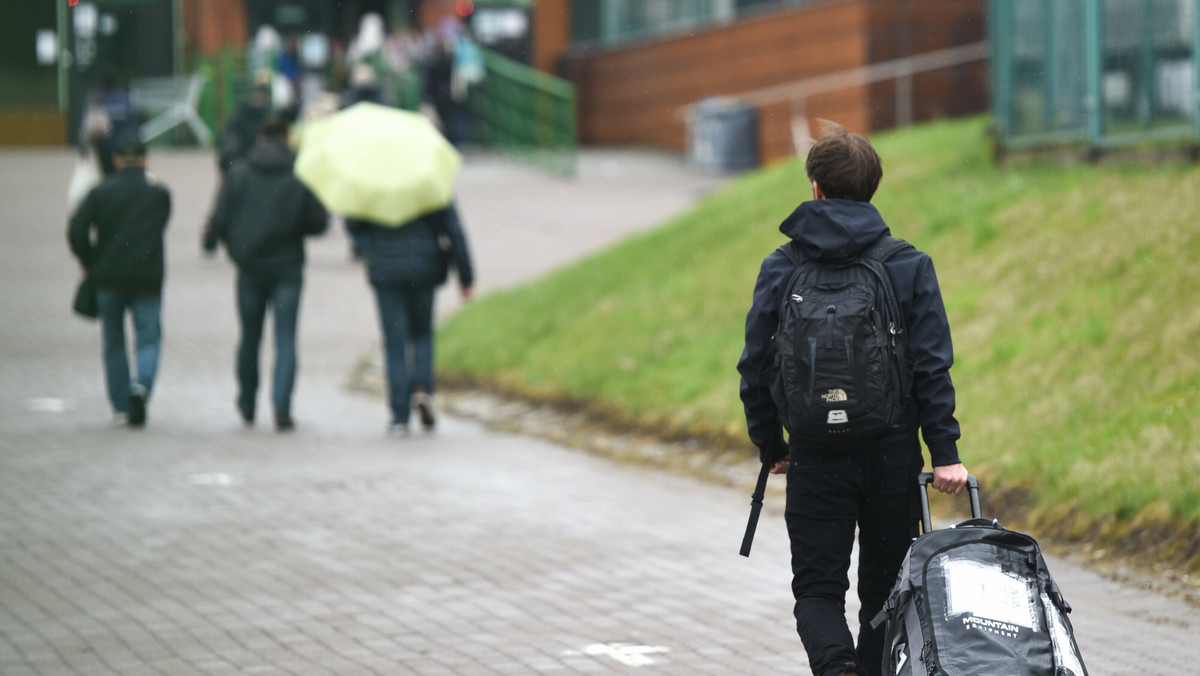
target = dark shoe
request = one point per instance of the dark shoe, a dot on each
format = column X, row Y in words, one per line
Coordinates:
column 422, row 402
column 245, row 407
column 284, row 422
column 247, row 414
column 137, row 406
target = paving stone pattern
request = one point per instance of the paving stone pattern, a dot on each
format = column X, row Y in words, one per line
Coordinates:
column 197, row 546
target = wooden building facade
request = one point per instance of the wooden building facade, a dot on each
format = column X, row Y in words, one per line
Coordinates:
column 641, row 93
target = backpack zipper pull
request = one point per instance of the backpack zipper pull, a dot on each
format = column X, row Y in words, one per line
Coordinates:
column 830, row 312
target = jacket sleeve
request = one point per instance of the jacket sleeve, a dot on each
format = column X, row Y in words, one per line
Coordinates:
column 931, row 353
column 458, row 248
column 164, row 207
column 762, row 321
column 316, row 218
column 79, row 230
column 218, row 230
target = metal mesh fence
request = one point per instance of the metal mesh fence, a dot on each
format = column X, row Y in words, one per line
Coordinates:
column 1097, row 72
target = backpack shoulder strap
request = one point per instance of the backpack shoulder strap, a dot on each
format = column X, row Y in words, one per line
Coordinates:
column 792, row 250
column 885, row 247
column 874, row 257
column 878, row 253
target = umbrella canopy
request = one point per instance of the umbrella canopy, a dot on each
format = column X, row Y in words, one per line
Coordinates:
column 378, row 163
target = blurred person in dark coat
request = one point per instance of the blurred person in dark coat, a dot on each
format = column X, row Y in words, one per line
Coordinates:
column 241, row 134
column 109, row 118
column 263, row 213
column 405, row 265
column 117, row 235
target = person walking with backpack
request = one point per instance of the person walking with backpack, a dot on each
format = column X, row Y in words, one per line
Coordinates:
column 263, row 213
column 117, row 235
column 848, row 348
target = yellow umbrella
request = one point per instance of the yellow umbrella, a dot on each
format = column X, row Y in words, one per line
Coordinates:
column 377, row 163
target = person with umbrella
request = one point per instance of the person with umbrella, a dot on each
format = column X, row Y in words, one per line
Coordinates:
column 405, row 265
column 392, row 173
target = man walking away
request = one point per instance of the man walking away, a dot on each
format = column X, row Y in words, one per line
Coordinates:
column 851, row 463
column 263, row 213
column 241, row 134
column 117, row 235
column 405, row 265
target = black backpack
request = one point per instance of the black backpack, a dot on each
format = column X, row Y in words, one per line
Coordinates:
column 840, row 368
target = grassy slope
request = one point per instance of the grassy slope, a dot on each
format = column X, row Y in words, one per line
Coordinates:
column 1071, row 298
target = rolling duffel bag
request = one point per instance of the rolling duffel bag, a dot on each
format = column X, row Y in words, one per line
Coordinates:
column 976, row 599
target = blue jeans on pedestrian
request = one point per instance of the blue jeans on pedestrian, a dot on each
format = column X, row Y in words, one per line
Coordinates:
column 406, row 316
column 146, row 311
column 256, row 291
column 830, row 491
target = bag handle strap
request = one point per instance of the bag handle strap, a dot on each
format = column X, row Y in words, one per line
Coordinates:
column 756, row 503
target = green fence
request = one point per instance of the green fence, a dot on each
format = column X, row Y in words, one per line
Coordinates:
column 226, row 84
column 526, row 113
column 514, row 109
column 1095, row 73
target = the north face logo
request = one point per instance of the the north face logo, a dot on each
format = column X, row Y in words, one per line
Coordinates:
column 833, row 396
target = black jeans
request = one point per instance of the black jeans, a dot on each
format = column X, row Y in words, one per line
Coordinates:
column 830, row 491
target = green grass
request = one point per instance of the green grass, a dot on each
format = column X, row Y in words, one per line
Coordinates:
column 1071, row 292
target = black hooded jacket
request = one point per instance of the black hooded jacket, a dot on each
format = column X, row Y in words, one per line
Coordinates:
column 833, row 229
column 117, row 232
column 263, row 213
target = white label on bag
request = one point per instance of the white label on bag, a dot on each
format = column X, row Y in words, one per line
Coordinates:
column 990, row 596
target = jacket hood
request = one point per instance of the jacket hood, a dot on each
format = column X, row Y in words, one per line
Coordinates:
column 271, row 157
column 831, row 229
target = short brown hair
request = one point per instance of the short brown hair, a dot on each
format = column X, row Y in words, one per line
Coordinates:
column 844, row 165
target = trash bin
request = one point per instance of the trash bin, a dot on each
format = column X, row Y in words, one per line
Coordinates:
column 723, row 134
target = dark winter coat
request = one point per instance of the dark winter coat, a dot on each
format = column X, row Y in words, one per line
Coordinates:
column 832, row 229
column 241, row 134
column 418, row 253
column 117, row 232
column 263, row 213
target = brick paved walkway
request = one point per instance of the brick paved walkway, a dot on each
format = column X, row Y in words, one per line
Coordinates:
column 198, row 547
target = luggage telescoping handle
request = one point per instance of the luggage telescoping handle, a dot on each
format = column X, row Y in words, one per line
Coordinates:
column 925, row 479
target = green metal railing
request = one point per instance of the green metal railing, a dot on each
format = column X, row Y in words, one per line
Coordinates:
column 226, row 83
column 1095, row 73
column 526, row 113
column 514, row 109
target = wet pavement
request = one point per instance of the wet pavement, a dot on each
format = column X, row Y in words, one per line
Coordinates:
column 197, row 546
